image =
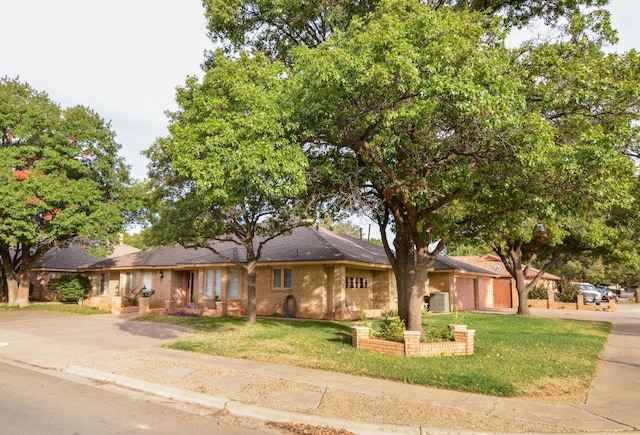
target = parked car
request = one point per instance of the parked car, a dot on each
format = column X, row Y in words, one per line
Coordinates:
column 590, row 293
column 607, row 293
column 610, row 295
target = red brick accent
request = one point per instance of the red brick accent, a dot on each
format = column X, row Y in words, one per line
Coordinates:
column 463, row 344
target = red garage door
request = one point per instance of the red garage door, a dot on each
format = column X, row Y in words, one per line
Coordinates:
column 465, row 294
column 502, row 293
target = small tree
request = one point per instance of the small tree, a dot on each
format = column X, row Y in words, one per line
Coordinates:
column 229, row 172
column 72, row 288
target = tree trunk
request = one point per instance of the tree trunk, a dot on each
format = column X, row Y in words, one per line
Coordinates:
column 251, row 292
column 523, row 304
column 17, row 269
column 410, row 267
column 18, row 286
column 521, row 284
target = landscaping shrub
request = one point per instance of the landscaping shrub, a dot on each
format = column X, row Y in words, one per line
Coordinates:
column 538, row 292
column 568, row 292
column 432, row 335
column 72, row 288
column 388, row 329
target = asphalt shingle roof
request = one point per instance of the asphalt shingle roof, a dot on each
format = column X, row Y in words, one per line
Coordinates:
column 76, row 256
column 302, row 244
column 449, row 263
column 493, row 263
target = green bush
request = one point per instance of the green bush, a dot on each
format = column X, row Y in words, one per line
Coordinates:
column 72, row 288
column 538, row 292
column 432, row 334
column 389, row 329
column 568, row 292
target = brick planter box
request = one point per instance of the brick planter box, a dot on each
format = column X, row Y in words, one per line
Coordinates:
column 463, row 344
column 538, row 303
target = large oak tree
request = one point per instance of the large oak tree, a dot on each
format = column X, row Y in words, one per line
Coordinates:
column 61, row 179
column 422, row 103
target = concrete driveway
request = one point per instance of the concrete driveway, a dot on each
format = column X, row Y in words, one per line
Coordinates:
column 57, row 340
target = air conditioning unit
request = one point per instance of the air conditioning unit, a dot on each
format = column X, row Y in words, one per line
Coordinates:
column 439, row 302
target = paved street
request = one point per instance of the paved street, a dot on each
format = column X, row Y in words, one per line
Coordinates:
column 35, row 402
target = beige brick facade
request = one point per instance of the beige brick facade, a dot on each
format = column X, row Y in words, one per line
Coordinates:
column 321, row 291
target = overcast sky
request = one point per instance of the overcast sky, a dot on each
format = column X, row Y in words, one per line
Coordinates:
column 124, row 58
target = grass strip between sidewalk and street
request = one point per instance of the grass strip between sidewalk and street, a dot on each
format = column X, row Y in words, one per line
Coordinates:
column 550, row 359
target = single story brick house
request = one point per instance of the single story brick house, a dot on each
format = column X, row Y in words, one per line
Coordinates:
column 504, row 292
column 309, row 273
column 63, row 261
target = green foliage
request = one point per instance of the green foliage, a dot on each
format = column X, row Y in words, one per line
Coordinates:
column 367, row 109
column 389, row 329
column 61, row 179
column 363, row 318
column 389, row 313
column 435, row 335
column 276, row 27
column 600, row 269
column 457, row 316
column 574, row 190
column 538, row 292
column 72, row 288
column 247, row 169
column 568, row 292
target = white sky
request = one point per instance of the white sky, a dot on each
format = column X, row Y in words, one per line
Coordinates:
column 125, row 58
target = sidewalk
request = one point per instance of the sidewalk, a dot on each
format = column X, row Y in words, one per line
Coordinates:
column 119, row 351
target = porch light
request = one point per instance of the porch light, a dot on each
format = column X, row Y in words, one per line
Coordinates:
column 117, row 289
column 161, row 274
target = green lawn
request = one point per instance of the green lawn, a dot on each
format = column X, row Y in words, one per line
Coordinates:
column 56, row 307
column 514, row 356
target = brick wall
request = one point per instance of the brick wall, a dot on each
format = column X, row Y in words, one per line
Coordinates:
column 463, row 344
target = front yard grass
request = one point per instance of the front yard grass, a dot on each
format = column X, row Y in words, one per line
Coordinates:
column 551, row 359
column 56, row 307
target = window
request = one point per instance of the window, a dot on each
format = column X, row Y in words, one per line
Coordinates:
column 356, row 282
column 102, row 284
column 146, row 280
column 129, row 282
column 213, row 285
column 282, row 278
column 234, row 284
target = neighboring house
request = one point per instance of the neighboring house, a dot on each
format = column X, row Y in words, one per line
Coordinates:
column 504, row 286
column 469, row 287
column 58, row 261
column 310, row 273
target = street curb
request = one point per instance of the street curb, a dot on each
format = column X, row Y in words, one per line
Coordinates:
column 240, row 409
column 160, row 390
column 243, row 410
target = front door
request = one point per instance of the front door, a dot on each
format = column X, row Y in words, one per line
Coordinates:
column 189, row 279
